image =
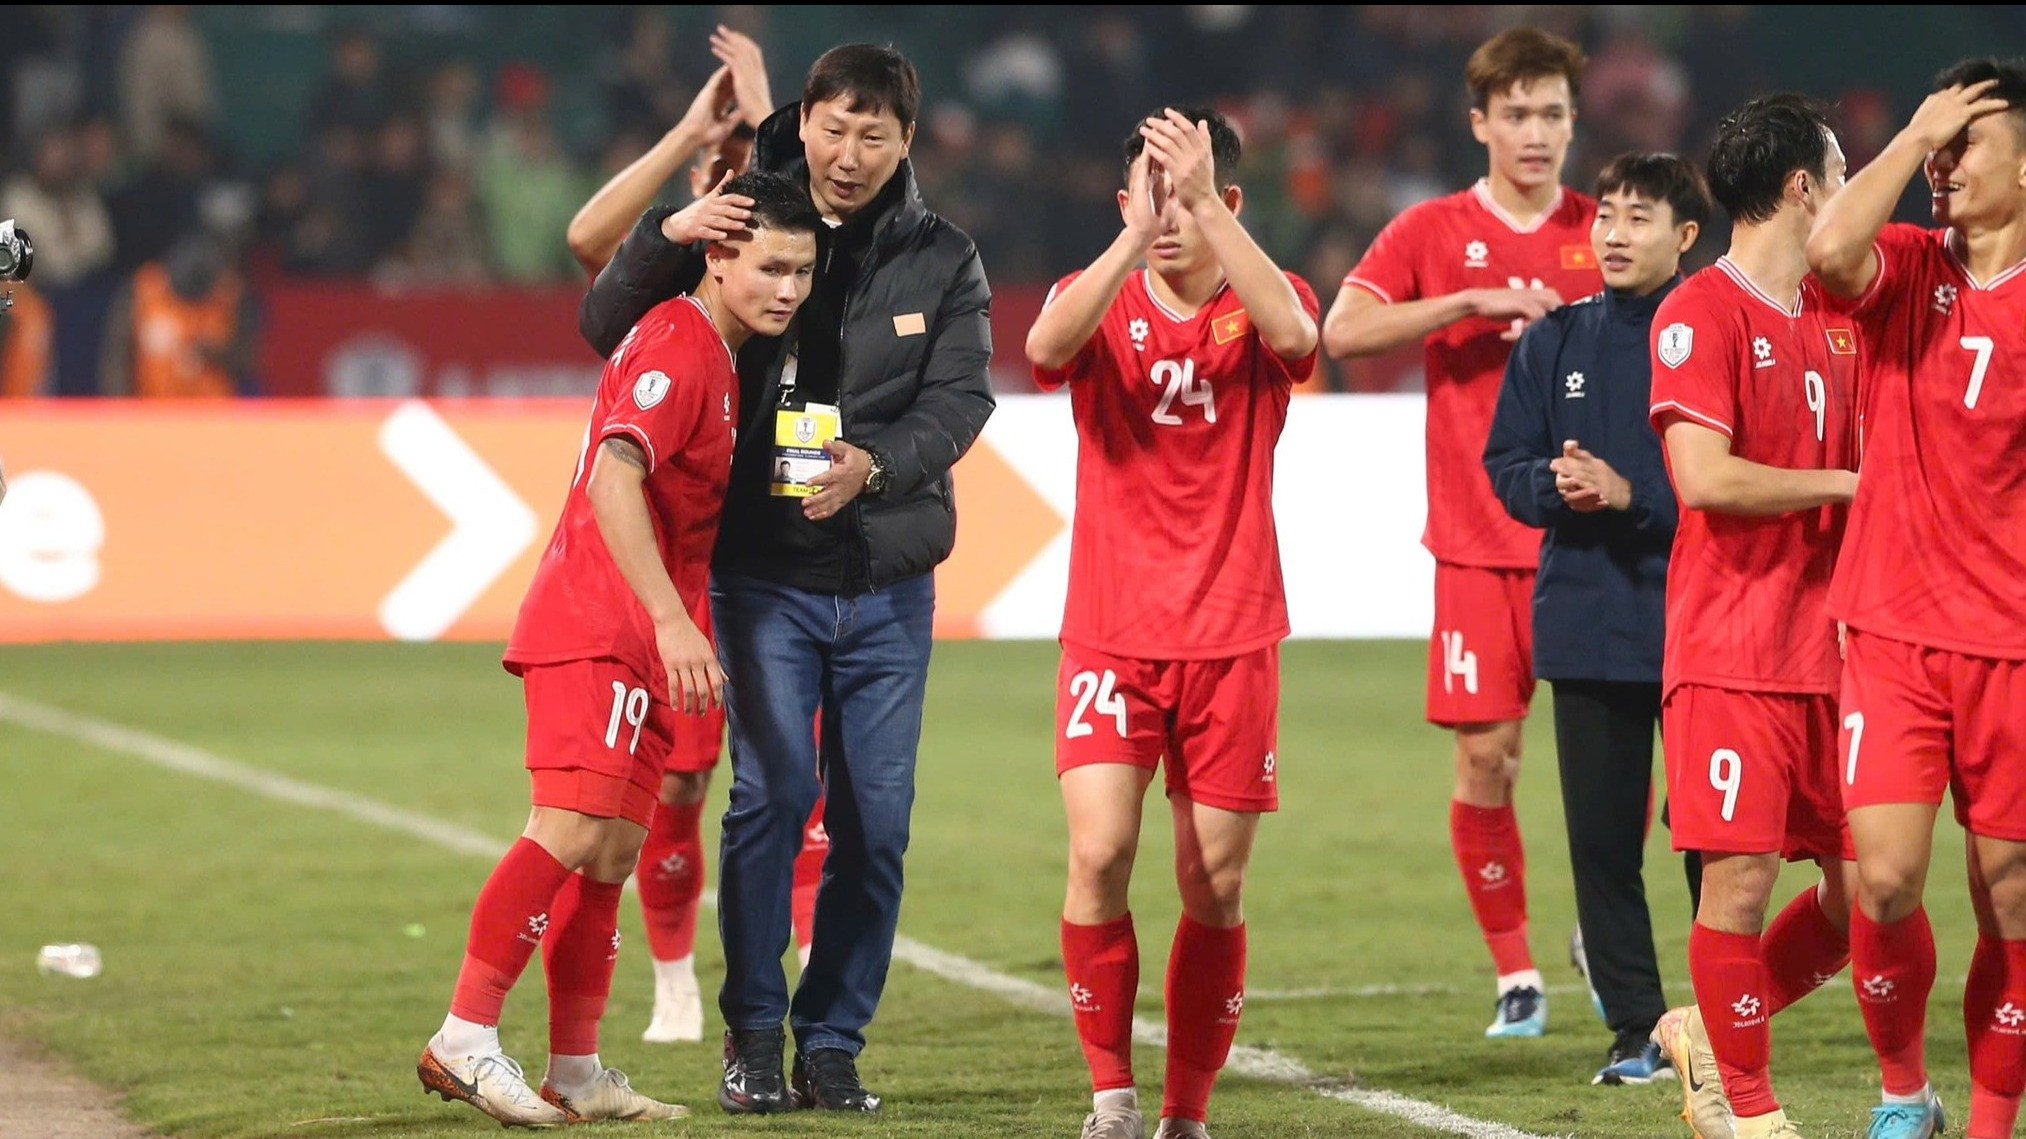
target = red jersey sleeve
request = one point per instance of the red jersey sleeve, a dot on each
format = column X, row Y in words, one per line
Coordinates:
column 1292, row 372
column 1695, row 366
column 659, row 399
column 1389, row 268
column 1899, row 248
column 1087, row 357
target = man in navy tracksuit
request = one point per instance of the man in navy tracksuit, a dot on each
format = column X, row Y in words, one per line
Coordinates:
column 1571, row 451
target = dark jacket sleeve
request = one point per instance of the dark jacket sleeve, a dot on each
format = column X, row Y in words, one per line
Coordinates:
column 1522, row 442
column 956, row 388
column 1653, row 510
column 647, row 270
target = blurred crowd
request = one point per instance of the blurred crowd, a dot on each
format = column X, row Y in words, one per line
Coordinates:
column 457, row 169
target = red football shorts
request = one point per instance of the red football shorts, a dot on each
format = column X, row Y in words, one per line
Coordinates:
column 598, row 738
column 1216, row 721
column 1917, row 720
column 1481, row 658
column 1753, row 773
column 698, row 741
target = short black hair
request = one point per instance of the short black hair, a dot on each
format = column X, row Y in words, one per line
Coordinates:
column 1758, row 145
column 778, row 203
column 1659, row 178
column 870, row 77
column 2011, row 77
column 1225, row 150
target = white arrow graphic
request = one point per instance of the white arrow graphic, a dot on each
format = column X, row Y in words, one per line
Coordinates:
column 490, row 525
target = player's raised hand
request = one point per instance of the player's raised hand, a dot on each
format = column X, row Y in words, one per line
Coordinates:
column 713, row 113
column 751, row 92
column 716, row 216
column 1943, row 115
column 1145, row 208
column 696, row 682
column 1520, row 306
column 1182, row 149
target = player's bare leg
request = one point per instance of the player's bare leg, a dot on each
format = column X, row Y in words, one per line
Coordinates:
column 1994, row 998
column 1100, row 950
column 1206, row 968
column 671, row 890
column 1892, row 957
column 1485, row 836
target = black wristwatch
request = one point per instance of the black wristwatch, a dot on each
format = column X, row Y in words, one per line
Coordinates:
column 876, row 482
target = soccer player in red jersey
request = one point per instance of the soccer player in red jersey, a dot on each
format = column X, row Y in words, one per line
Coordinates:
column 1467, row 272
column 1179, row 377
column 610, row 648
column 1932, row 582
column 1754, row 395
column 715, row 136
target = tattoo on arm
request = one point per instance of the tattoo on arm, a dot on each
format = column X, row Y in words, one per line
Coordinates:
column 626, row 451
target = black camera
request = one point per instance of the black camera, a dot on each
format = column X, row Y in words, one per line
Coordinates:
column 17, row 253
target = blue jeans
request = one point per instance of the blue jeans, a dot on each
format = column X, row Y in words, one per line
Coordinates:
column 865, row 662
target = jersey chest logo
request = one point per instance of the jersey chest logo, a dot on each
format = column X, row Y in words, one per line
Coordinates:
column 1476, row 255
column 1945, row 299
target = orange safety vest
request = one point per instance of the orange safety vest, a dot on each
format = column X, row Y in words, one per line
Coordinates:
column 24, row 361
column 168, row 329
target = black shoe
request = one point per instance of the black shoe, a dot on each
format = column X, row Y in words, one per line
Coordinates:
column 753, row 1084
column 1634, row 1059
column 827, row 1079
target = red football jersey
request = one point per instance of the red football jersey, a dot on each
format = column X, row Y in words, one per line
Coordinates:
column 1747, row 597
column 671, row 387
column 1173, row 554
column 1937, row 547
column 1467, row 241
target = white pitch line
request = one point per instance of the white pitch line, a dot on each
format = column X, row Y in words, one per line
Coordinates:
column 186, row 759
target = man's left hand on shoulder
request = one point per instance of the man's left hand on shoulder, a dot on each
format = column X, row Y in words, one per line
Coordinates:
column 851, row 469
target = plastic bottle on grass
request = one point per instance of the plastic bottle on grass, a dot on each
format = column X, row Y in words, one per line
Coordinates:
column 74, row 960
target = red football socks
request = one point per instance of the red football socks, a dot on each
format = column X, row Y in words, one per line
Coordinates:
column 809, row 876
column 1494, row 865
column 1994, row 1016
column 1730, row 987
column 1893, row 970
column 1206, row 995
column 511, row 915
column 1102, row 963
column 671, row 879
column 1803, row 949
column 578, row 955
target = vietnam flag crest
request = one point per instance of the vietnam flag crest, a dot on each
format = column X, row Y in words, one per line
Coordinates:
column 1578, row 257
column 1842, row 341
column 1229, row 327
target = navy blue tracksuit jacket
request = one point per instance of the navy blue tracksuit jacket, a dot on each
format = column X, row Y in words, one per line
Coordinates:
column 1582, row 372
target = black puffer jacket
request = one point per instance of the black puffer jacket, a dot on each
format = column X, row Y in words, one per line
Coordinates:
column 916, row 342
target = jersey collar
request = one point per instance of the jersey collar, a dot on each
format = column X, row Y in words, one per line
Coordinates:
column 1752, row 290
column 713, row 326
column 1147, row 283
column 1949, row 241
column 1483, row 191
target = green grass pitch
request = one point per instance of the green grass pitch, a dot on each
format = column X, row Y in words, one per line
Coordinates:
column 261, row 977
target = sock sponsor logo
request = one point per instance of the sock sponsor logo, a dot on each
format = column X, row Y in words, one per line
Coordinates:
column 1493, row 874
column 1082, row 999
column 537, row 926
column 1748, row 1008
column 1233, row 1006
column 674, row 866
column 1878, row 988
column 615, row 946
column 2010, row 1019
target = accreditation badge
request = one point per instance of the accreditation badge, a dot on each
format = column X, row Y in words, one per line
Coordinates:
column 799, row 436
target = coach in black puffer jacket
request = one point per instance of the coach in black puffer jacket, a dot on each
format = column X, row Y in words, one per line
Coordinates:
column 829, row 601
column 915, row 399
